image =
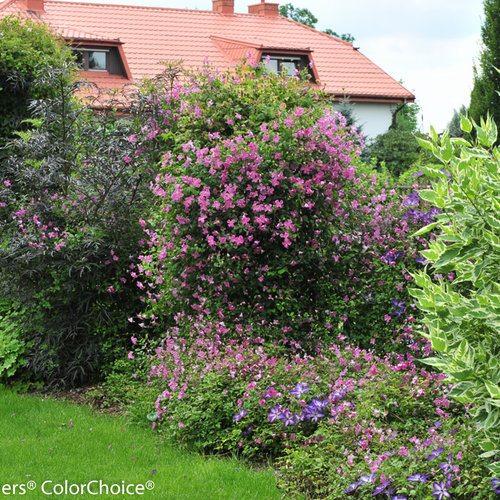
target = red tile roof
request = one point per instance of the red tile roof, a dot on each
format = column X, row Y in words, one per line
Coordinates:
column 149, row 35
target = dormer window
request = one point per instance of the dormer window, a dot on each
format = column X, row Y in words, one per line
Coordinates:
column 98, row 60
column 92, row 59
column 289, row 64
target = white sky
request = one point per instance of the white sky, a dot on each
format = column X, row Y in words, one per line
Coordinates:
column 431, row 45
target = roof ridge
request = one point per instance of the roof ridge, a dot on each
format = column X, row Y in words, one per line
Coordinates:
column 142, row 7
column 234, row 41
column 6, row 3
column 337, row 39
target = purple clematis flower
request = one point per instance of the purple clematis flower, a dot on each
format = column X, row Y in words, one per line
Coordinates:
column 367, row 479
column 289, row 418
column 240, row 415
column 300, row 388
column 248, row 430
column 446, row 466
column 381, row 488
column 418, row 478
column 362, row 480
column 352, row 487
column 440, row 491
column 412, row 199
column 318, row 403
column 401, row 308
column 496, row 485
column 312, row 413
column 274, row 414
column 336, row 396
column 435, row 453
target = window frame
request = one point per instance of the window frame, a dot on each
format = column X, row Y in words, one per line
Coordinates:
column 281, row 56
column 85, row 52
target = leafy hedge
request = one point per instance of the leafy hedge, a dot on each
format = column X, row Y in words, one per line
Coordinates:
column 462, row 316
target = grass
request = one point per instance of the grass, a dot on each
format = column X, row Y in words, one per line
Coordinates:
column 47, row 440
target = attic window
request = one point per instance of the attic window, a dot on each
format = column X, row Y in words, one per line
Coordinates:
column 92, row 59
column 290, row 65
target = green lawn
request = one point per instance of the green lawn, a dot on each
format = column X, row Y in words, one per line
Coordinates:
column 38, row 442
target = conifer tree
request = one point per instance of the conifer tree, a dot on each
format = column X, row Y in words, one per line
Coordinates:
column 484, row 96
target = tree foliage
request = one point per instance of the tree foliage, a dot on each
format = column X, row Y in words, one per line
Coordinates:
column 407, row 118
column 25, row 48
column 454, row 125
column 347, row 37
column 484, row 96
column 305, row 16
column 398, row 149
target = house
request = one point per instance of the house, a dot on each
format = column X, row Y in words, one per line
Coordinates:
column 118, row 44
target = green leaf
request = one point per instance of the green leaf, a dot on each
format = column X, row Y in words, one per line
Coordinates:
column 432, row 197
column 488, row 454
column 446, row 152
column 461, row 375
column 492, row 420
column 465, row 124
column 460, row 141
column 426, row 144
column 495, row 468
column 484, row 137
column 494, row 390
column 439, row 344
column 439, row 363
column 425, row 229
column 434, row 134
column 463, row 392
column 448, row 256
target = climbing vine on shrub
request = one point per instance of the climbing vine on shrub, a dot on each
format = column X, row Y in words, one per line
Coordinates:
column 263, row 221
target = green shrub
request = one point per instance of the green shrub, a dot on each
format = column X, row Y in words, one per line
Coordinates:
column 462, row 306
column 25, row 48
column 397, row 149
column 328, row 419
column 12, row 347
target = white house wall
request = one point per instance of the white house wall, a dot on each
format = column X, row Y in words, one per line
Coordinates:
column 374, row 117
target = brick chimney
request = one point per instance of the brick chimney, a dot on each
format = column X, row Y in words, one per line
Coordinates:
column 223, row 6
column 35, row 5
column 264, row 9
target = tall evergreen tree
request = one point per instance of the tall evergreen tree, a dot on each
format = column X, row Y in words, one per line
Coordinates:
column 454, row 124
column 484, row 96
